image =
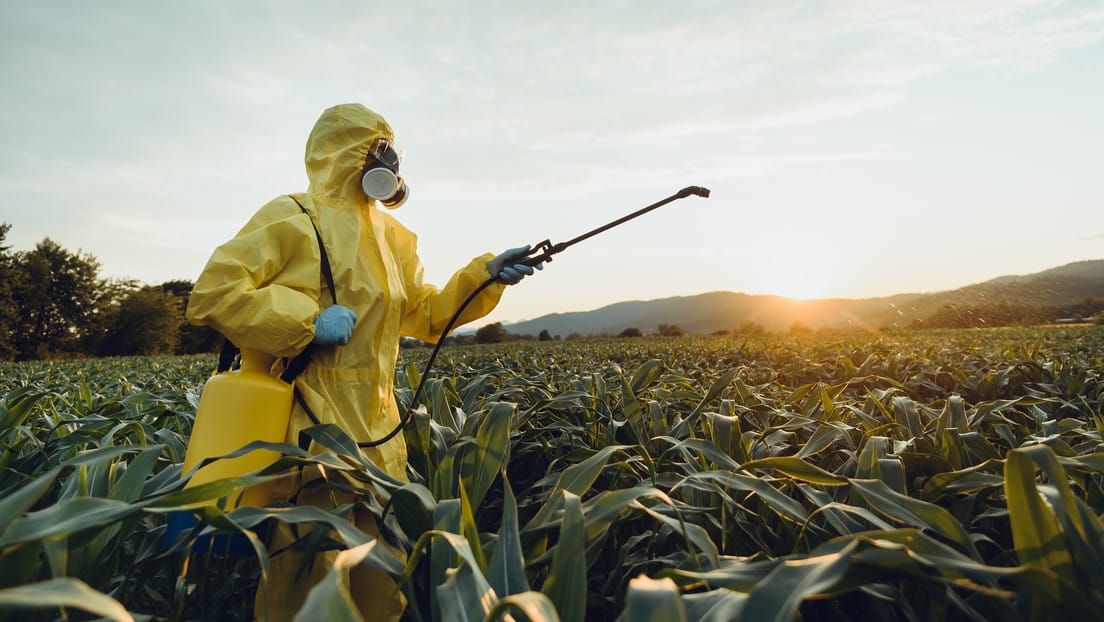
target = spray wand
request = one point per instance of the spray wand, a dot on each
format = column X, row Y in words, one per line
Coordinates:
column 540, row 253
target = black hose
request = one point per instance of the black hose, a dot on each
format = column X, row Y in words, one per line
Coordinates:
column 429, row 365
column 541, row 253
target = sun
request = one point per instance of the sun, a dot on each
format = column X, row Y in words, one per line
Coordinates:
column 799, row 273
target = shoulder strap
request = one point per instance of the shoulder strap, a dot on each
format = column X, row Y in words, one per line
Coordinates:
column 227, row 355
column 327, row 271
column 301, row 360
column 296, row 366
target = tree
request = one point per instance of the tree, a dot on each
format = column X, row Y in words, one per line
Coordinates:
column 8, row 312
column 147, row 321
column 630, row 332
column 58, row 299
column 491, row 333
column 669, row 330
column 749, row 327
column 798, row 327
column 192, row 339
column 544, row 335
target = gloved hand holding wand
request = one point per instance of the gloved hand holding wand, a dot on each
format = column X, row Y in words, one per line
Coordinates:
column 507, row 266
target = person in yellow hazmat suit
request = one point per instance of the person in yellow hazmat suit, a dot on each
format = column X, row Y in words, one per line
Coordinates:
column 264, row 291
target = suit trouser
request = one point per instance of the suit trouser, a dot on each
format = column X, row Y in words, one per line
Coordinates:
column 373, row 591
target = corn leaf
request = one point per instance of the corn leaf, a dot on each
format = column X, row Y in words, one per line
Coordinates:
column 64, row 592
column 566, row 585
column 507, row 567
column 914, row 512
column 531, row 606
column 652, row 600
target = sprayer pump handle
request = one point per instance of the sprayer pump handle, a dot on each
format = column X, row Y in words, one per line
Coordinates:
column 541, row 253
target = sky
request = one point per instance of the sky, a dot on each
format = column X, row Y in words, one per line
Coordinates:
column 854, row 148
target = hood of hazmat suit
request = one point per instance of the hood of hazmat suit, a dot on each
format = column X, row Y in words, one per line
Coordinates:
column 263, row 288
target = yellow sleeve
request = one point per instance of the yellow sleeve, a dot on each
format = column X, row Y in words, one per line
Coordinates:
column 429, row 309
column 261, row 288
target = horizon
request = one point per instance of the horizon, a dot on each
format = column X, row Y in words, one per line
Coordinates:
column 855, row 151
column 473, row 326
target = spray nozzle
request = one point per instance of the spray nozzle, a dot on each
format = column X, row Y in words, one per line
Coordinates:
column 689, row 190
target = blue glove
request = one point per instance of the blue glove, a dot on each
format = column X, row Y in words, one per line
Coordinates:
column 506, row 267
column 334, row 326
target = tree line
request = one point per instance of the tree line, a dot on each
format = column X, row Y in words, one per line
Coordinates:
column 55, row 304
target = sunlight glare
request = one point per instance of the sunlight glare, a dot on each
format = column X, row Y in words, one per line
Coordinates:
column 802, row 272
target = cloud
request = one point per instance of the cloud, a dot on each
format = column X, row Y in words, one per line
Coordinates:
column 110, row 113
column 1022, row 34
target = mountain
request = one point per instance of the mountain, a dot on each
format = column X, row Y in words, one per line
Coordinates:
column 1044, row 292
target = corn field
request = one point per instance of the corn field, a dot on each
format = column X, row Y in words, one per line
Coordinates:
column 953, row 475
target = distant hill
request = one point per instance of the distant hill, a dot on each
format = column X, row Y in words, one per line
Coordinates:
column 1048, row 291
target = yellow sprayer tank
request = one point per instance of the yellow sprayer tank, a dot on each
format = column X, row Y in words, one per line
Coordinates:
column 235, row 409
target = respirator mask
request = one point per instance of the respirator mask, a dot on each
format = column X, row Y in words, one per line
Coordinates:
column 381, row 180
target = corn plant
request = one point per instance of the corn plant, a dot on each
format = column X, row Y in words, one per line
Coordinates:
column 915, row 475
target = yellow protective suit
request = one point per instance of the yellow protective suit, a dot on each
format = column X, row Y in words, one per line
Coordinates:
column 263, row 289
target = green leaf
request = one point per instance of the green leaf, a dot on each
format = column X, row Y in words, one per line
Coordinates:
column 470, row 530
column 463, row 597
column 414, row 507
column 16, row 408
column 964, row 480
column 248, row 517
column 1055, row 532
column 65, row 518
column 875, row 448
column 448, row 549
column 334, row 438
column 714, row 606
column 953, row 416
column 24, row 499
column 734, row 573
column 64, row 592
column 823, row 437
column 715, row 391
column 694, row 534
column 906, row 414
column 771, row 496
column 633, row 412
column 797, row 468
column 839, row 516
column 483, row 459
column 726, row 435
column 443, row 556
column 566, row 585
column 130, row 485
column 604, row 508
column 914, row 512
column 646, row 375
column 19, row 565
column 507, row 568
column 329, row 599
column 893, row 474
column 1035, row 529
column 777, row 597
column 576, row 479
column 652, row 600
column 694, row 447
column 531, row 606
